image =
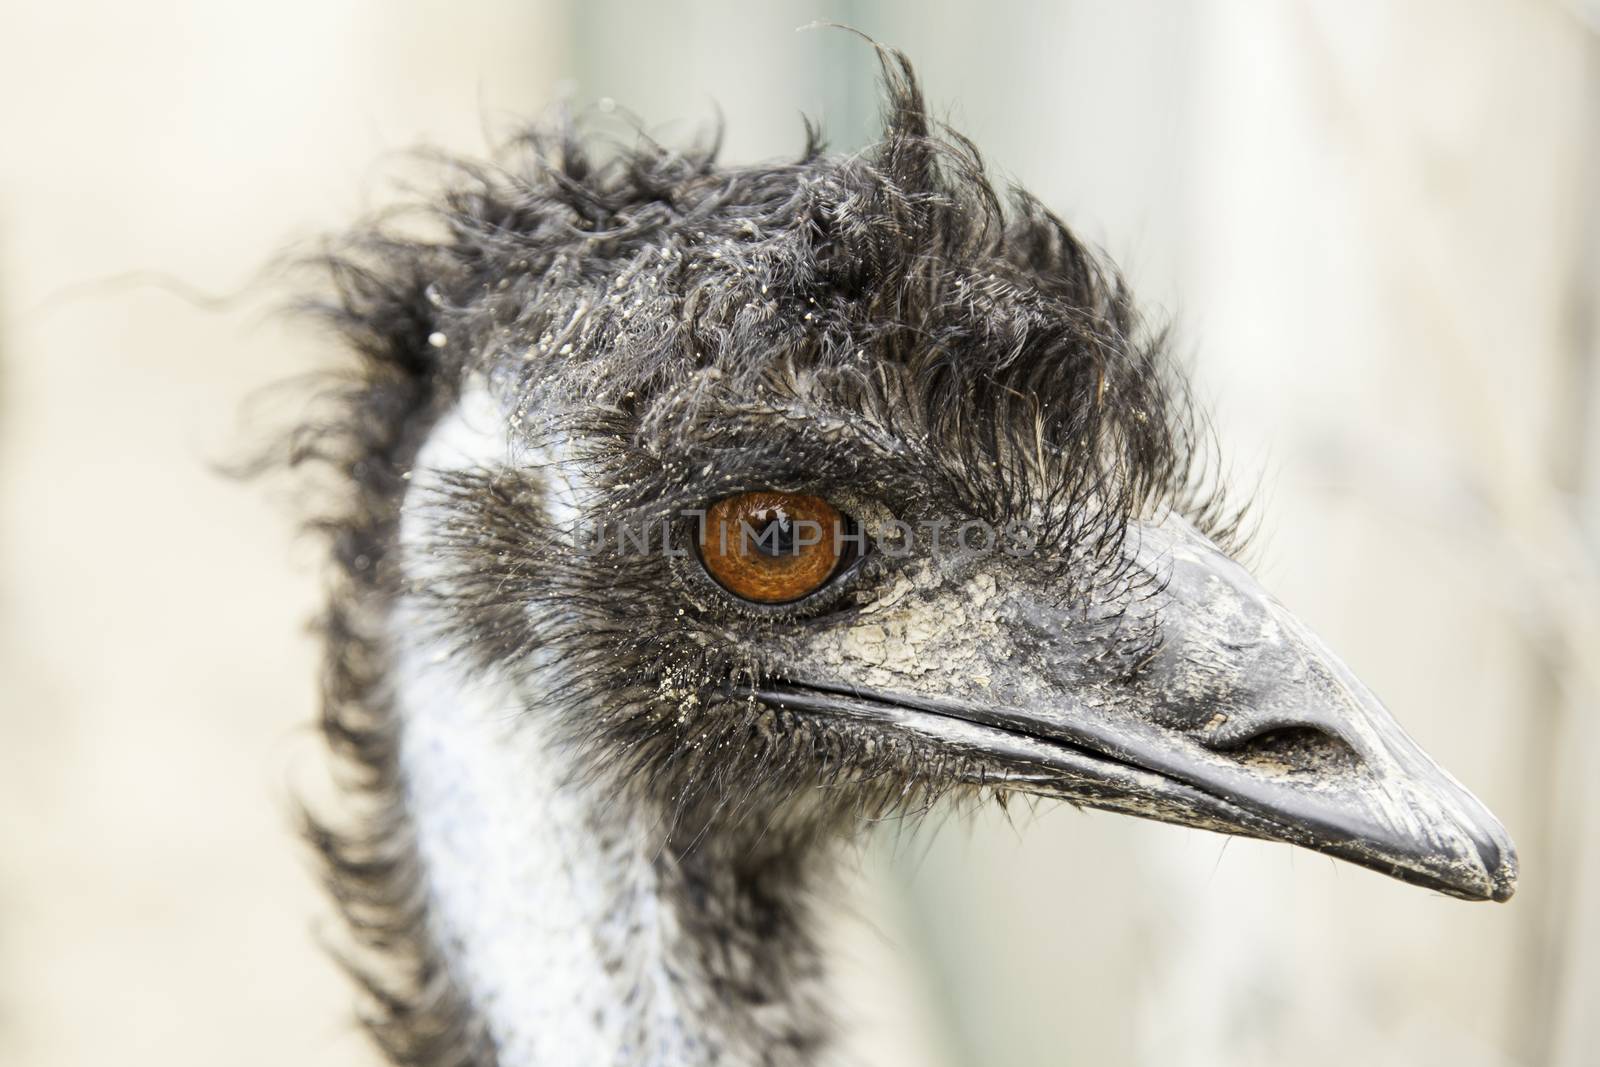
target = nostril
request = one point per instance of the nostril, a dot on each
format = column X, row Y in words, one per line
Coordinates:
column 1294, row 751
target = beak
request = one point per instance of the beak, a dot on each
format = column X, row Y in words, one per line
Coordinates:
column 1239, row 721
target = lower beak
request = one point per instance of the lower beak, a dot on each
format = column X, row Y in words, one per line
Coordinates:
column 1242, row 722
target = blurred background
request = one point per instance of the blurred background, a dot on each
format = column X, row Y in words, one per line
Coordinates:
column 1375, row 226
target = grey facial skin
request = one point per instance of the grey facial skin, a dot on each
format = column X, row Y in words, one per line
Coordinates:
column 1226, row 714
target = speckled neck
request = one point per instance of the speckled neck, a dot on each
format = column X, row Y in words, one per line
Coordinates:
column 577, row 935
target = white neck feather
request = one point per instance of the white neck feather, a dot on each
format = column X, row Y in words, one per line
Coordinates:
column 564, row 921
column 548, row 914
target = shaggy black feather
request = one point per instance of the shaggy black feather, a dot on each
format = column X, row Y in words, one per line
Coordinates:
column 881, row 321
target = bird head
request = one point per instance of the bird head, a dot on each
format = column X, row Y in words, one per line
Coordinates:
column 794, row 495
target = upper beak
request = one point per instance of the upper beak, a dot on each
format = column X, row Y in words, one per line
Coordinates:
column 1241, row 721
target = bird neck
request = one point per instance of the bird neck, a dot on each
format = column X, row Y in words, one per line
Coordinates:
column 575, row 925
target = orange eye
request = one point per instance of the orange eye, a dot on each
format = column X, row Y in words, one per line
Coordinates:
column 773, row 548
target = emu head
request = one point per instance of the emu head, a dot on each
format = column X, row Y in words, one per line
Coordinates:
column 792, row 495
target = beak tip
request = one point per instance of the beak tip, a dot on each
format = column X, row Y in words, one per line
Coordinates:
column 1496, row 865
column 1497, row 855
column 1503, row 877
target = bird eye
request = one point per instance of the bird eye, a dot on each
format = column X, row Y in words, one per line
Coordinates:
column 774, row 548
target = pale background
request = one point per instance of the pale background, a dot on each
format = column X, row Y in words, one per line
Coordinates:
column 1375, row 224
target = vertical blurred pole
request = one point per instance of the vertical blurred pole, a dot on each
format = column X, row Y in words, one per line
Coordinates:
column 678, row 67
column 1563, row 970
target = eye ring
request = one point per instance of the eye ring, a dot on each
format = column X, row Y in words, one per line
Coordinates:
column 773, row 548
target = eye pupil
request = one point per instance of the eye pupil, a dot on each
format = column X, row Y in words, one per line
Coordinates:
column 776, row 538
